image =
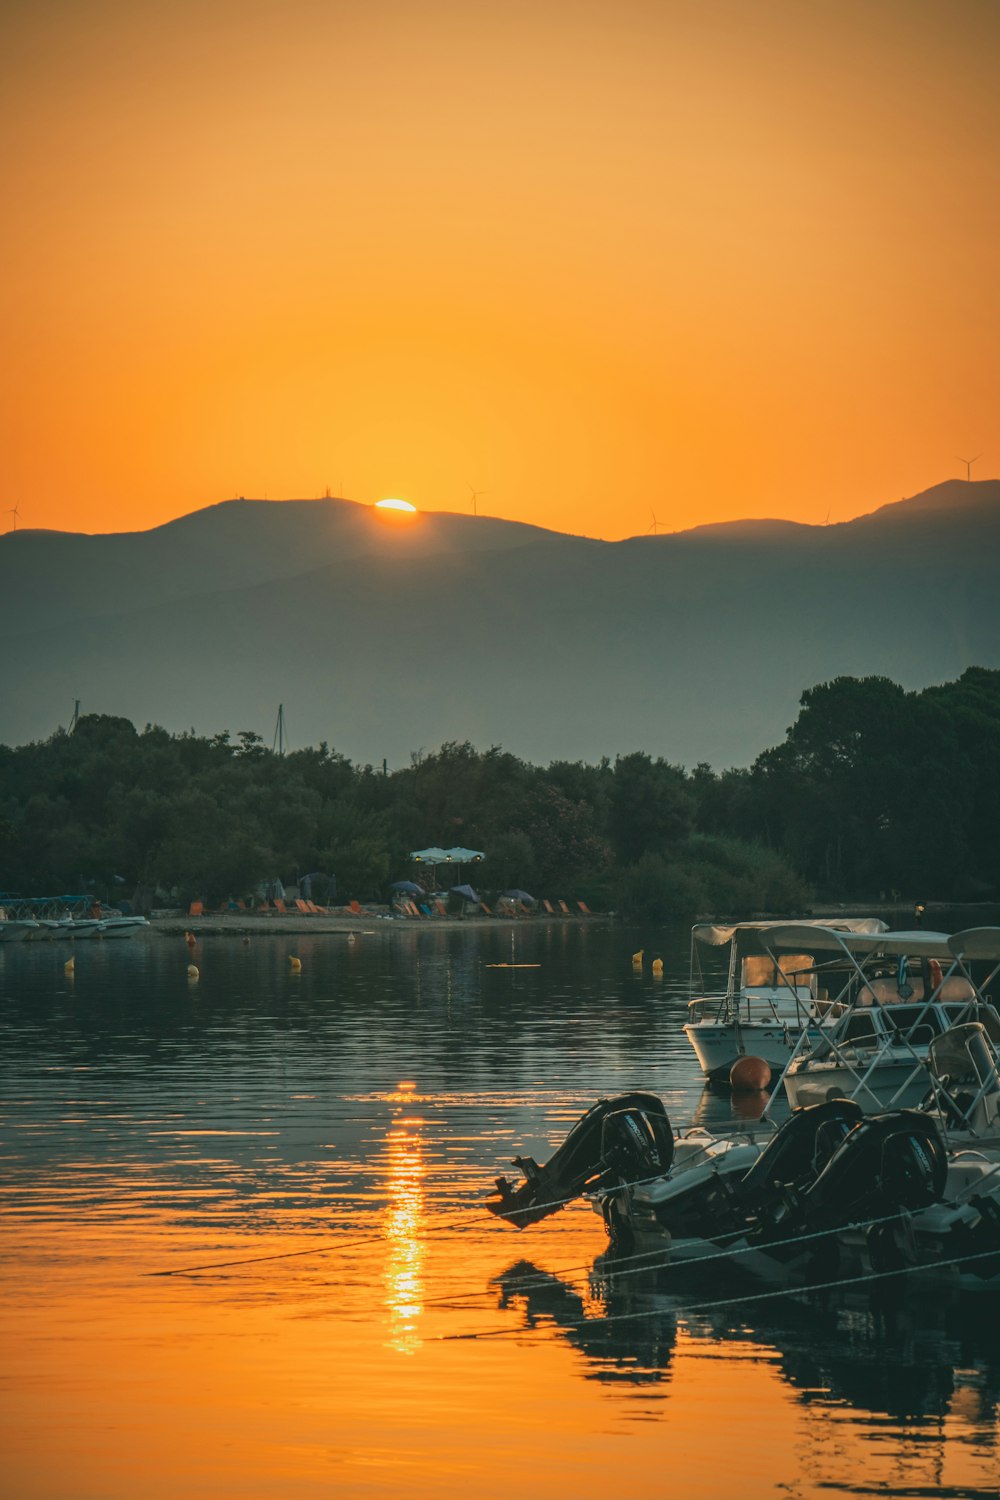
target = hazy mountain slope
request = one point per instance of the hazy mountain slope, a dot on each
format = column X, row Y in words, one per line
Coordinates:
column 694, row 646
column 54, row 577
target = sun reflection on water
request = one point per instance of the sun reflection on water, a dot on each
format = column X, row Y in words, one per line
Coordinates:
column 403, row 1226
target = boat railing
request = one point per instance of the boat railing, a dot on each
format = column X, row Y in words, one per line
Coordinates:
column 964, row 1070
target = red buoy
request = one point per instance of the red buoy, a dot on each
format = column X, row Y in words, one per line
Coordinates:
column 749, row 1075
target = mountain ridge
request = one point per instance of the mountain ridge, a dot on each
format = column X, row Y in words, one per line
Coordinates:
column 694, row 645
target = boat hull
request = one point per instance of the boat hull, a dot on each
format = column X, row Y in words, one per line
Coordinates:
column 897, row 1083
column 719, row 1044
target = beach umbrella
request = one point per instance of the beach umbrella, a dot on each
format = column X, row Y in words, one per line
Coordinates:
column 466, row 892
column 431, row 856
column 409, row 886
column 516, row 895
column 465, row 856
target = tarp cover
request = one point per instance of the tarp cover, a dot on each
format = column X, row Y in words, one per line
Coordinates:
column 976, row 942
column 815, row 937
column 716, row 935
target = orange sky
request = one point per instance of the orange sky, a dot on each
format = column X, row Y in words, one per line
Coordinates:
column 600, row 260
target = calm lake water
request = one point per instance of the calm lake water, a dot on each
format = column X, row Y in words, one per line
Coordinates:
column 309, row 1152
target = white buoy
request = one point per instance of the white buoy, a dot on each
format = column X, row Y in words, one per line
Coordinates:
column 193, row 971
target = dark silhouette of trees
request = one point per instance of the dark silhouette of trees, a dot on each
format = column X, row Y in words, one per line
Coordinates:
column 874, row 790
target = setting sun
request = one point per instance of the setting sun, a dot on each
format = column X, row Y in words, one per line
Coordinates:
column 403, row 505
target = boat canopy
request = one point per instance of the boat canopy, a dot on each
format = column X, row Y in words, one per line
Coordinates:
column 977, row 942
column 717, row 935
column 917, row 944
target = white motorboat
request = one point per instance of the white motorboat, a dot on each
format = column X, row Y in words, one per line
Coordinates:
column 121, row 926
column 16, row 929
column 767, row 999
column 901, row 990
column 833, row 1193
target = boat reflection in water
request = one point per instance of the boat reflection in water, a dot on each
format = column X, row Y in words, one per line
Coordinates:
column 856, row 1358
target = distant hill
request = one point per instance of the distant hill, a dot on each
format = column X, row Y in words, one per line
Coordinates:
column 384, row 639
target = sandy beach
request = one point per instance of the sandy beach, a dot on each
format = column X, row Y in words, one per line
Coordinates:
column 369, row 919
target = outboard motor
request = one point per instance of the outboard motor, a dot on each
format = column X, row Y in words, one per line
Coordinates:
column 889, row 1162
column 710, row 1203
column 636, row 1144
column 639, row 1137
column 799, row 1152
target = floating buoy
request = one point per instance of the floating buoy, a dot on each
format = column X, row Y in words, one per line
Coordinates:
column 637, row 959
column 351, row 938
column 749, row 1075
column 296, row 963
column 69, row 967
column 657, row 968
column 247, row 941
column 193, row 971
column 190, row 939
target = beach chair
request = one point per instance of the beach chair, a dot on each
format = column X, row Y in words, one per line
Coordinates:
column 440, row 909
column 585, row 910
column 303, row 906
column 355, row 908
column 485, row 908
column 196, row 909
column 564, row 908
column 280, row 906
column 317, row 911
column 549, row 907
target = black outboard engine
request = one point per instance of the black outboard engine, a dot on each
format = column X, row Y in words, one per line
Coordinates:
column 636, row 1144
column 632, row 1129
column 799, row 1152
column 888, row 1163
column 715, row 1204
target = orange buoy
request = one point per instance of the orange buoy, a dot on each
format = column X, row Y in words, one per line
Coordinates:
column 749, row 1075
column 296, row 963
column 657, row 968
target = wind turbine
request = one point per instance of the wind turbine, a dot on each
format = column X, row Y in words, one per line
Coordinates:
column 475, row 496
column 655, row 526
column 968, row 462
column 13, row 511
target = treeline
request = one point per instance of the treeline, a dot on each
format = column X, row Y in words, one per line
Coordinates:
column 875, row 791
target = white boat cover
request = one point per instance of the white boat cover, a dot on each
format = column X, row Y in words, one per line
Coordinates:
column 977, row 942
column 716, row 935
column 812, row 937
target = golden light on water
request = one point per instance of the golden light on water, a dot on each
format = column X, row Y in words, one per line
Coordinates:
column 404, row 1228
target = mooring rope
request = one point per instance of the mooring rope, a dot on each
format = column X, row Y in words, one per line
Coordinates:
column 373, row 1239
column 660, row 1259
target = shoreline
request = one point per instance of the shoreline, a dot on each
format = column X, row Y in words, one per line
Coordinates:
column 242, row 924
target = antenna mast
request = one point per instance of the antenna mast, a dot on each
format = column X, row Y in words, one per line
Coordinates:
column 278, row 743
